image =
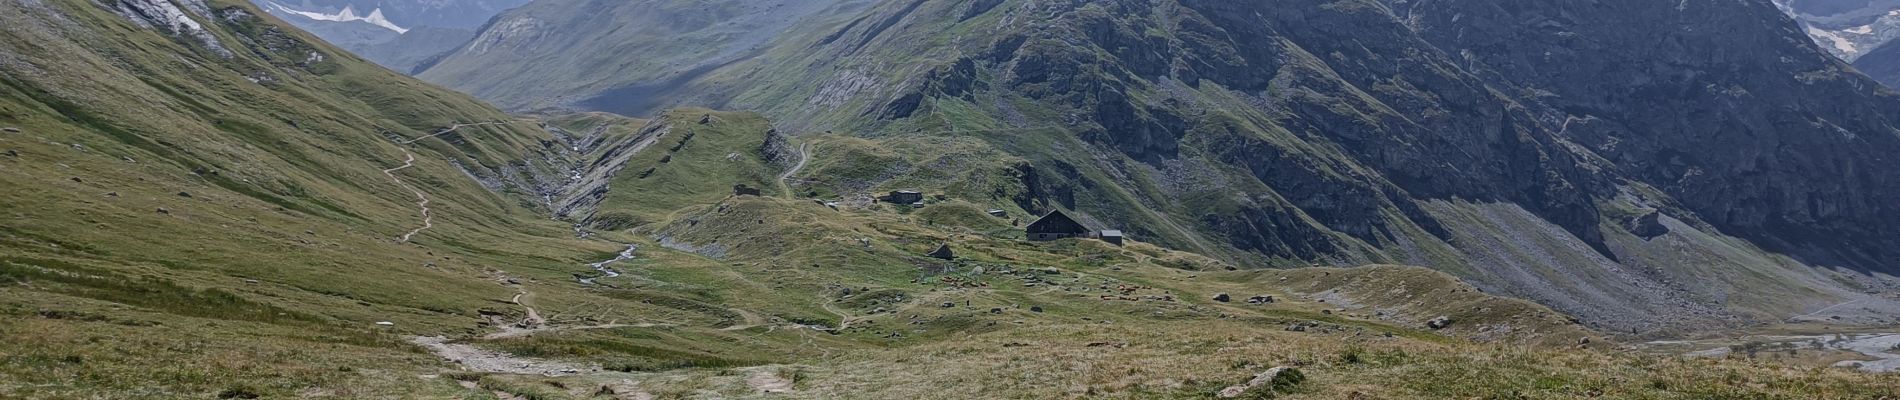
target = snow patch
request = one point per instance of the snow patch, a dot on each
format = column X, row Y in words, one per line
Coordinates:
column 348, row 14
column 1842, row 44
column 164, row 14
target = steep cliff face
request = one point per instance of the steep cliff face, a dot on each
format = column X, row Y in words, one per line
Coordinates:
column 1600, row 158
column 1719, row 104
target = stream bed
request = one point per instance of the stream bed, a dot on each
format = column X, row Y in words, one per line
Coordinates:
column 1881, row 350
column 602, row 266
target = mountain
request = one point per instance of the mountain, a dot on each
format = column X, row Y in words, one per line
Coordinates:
column 1882, row 64
column 204, row 202
column 677, row 42
column 1639, row 165
column 400, row 15
column 415, row 50
column 400, row 35
column 1859, row 31
column 1847, row 28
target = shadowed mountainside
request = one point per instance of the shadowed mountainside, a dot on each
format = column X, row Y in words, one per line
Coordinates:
column 1643, row 165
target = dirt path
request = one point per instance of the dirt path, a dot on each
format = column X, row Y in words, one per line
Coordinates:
column 422, row 199
column 451, row 128
column 519, row 332
column 751, row 320
column 534, row 320
column 804, row 157
column 476, row 359
column 844, row 320
column 1798, row 318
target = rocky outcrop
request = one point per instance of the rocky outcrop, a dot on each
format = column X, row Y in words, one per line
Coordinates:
column 163, row 14
column 1648, row 226
column 590, row 184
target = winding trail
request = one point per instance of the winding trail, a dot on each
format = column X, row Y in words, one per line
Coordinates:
column 422, row 199
column 534, row 320
column 804, row 157
column 844, row 320
column 451, row 128
column 751, row 319
column 1798, row 318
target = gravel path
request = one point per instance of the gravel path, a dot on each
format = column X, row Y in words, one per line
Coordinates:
column 476, row 359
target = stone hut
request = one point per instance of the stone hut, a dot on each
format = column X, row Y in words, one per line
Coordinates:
column 943, row 252
column 743, row 190
column 904, row 197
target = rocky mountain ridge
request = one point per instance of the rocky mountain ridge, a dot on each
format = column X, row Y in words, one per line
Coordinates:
column 204, row 202
column 1604, row 159
column 401, row 35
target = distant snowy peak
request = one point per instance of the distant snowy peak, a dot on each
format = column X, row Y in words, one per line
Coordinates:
column 348, row 14
column 1847, row 28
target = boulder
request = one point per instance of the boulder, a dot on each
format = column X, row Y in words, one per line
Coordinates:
column 1263, row 385
column 1648, row 226
column 1260, row 299
column 1441, row 322
column 10, row 129
column 1222, row 297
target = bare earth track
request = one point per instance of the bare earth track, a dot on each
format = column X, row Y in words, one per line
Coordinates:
column 422, row 199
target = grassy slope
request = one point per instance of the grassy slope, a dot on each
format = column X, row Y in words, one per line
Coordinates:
column 276, row 231
column 697, row 157
column 1229, row 191
column 1057, row 336
column 268, row 278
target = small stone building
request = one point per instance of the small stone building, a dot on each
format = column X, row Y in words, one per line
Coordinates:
column 904, row 197
column 1111, row 236
column 1055, row 226
column 743, row 190
column 943, row 252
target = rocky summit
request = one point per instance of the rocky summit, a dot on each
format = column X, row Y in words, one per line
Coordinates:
column 648, row 199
